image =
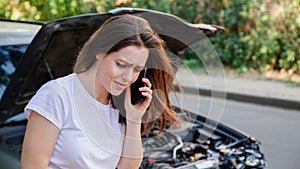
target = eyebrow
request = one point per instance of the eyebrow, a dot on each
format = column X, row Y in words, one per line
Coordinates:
column 140, row 67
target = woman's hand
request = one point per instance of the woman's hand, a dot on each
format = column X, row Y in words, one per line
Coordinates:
column 134, row 113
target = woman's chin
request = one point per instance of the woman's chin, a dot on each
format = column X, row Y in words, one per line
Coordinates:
column 117, row 92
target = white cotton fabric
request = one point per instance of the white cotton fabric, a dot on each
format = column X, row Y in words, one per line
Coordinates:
column 90, row 135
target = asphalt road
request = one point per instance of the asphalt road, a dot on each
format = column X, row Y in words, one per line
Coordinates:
column 276, row 128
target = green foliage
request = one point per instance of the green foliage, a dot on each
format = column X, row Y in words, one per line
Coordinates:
column 259, row 34
column 192, row 63
column 43, row 10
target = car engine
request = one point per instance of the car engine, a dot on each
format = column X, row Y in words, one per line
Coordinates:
column 183, row 149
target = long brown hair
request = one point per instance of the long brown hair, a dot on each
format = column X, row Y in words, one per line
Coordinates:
column 126, row 30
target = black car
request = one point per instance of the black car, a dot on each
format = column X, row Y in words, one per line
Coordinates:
column 40, row 52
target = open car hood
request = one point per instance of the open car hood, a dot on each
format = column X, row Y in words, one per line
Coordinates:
column 53, row 50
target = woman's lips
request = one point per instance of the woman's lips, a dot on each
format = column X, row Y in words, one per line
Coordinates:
column 120, row 85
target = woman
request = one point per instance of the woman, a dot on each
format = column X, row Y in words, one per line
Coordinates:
column 76, row 121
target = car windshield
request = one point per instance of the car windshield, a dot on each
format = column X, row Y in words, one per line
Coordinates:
column 14, row 40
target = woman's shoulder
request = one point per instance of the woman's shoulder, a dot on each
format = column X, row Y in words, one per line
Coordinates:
column 57, row 88
column 52, row 100
column 61, row 83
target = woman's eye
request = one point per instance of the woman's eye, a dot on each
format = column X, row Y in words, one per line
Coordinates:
column 137, row 70
column 120, row 65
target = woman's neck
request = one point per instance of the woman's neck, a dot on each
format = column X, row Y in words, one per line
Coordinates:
column 88, row 81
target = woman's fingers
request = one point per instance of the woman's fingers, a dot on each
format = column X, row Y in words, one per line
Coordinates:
column 147, row 82
column 145, row 89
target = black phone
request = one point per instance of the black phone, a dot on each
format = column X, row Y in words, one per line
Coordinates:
column 136, row 96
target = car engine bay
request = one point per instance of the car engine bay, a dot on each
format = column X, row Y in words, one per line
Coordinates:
column 183, row 148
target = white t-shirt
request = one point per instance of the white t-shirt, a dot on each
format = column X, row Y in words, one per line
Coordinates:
column 90, row 135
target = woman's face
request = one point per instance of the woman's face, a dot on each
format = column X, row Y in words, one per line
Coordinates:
column 118, row 70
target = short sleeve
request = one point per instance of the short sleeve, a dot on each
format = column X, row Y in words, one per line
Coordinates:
column 49, row 103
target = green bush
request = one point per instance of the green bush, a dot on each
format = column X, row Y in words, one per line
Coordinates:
column 260, row 35
column 43, row 10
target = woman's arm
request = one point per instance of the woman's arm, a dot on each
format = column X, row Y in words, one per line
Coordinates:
column 132, row 154
column 40, row 138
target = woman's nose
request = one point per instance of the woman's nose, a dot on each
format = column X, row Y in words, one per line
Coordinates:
column 127, row 75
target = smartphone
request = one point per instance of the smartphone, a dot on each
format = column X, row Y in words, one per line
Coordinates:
column 136, row 95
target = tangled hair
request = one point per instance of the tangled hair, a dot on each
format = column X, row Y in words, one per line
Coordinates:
column 127, row 30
